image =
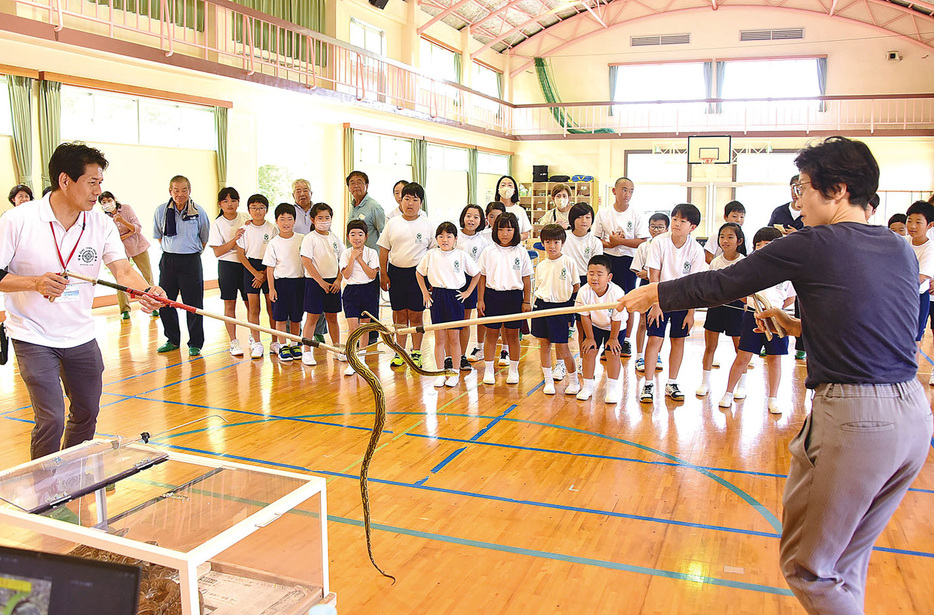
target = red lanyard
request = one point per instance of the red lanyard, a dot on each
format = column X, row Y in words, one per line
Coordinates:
column 75, row 249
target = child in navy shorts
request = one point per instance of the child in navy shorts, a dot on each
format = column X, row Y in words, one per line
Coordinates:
column 251, row 247
column 473, row 240
column 286, row 278
column 446, row 269
column 658, row 224
column 321, row 253
column 360, row 267
column 556, row 282
column 225, row 231
column 600, row 329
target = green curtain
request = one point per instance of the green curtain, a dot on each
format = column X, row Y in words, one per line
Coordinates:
column 185, row 13
column 305, row 13
column 614, row 73
column 509, row 166
column 20, row 90
column 822, row 81
column 420, row 165
column 50, row 124
column 220, row 126
column 472, row 155
column 458, row 68
column 499, row 85
column 348, row 151
column 551, row 96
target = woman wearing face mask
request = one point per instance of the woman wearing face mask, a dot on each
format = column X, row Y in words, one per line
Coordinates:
column 137, row 246
column 561, row 197
column 508, row 194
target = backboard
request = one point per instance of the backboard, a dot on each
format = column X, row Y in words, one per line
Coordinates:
column 716, row 149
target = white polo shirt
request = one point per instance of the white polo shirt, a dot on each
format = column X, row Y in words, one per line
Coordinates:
column 357, row 275
column 720, row 262
column 504, row 268
column 776, row 295
column 27, row 248
column 642, row 252
column 406, row 240
column 395, row 212
column 284, row 256
column 581, row 250
column 474, row 244
column 525, row 225
column 256, row 238
column 609, row 221
column 555, row 279
column 324, row 251
column 447, row 269
column 672, row 262
column 602, row 319
column 222, row 231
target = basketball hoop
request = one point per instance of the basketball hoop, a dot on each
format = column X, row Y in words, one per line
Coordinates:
column 705, row 160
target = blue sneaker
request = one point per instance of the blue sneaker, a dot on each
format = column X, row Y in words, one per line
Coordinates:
column 295, row 351
column 640, row 364
column 285, row 354
column 658, row 364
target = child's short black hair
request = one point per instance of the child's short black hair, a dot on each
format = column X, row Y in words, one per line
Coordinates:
column 482, row 224
column 258, row 198
column 898, row 219
column 660, row 217
column 508, row 220
column 359, row 225
column 874, row 203
column 223, row 194
column 766, row 233
column 551, row 232
column 414, row 189
column 688, row 212
column 495, row 205
column 577, row 210
column 836, row 161
column 602, row 260
column 446, row 227
column 401, row 181
column 733, row 206
column 285, row 208
column 740, row 237
column 319, row 207
column 922, row 208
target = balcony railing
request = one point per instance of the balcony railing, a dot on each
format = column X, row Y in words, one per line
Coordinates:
column 246, row 43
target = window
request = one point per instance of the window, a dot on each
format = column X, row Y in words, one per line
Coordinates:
column 368, row 37
column 447, row 158
column 385, row 160
column 487, row 80
column 6, row 113
column 768, row 174
column 440, row 61
column 776, row 78
column 494, row 164
column 671, row 81
column 117, row 118
column 659, row 180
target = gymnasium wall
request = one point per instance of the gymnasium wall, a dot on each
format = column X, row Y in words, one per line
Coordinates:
column 7, row 171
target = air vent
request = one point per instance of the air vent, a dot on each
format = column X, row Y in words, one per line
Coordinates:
column 663, row 39
column 785, row 34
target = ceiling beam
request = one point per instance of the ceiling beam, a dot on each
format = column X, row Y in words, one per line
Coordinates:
column 443, row 14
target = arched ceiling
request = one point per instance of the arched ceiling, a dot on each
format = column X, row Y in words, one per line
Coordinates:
column 528, row 25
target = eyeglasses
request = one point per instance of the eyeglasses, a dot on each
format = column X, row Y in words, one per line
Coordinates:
column 256, row 208
column 657, row 228
column 798, row 188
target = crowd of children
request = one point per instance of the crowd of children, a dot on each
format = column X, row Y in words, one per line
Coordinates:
column 481, row 267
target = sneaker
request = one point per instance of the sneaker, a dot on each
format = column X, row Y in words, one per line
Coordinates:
column 658, row 364
column 931, row 380
column 762, row 352
column 614, row 395
column 627, row 349
column 194, row 351
column 726, row 401
column 800, row 355
column 235, row 349
column 702, row 390
column 573, row 389
column 308, row 358
column 295, row 351
column 512, row 377
column 648, row 393
column 341, row 357
column 349, row 371
column 585, row 393
column 504, row 358
column 640, row 364
column 773, row 407
column 274, row 349
column 155, row 313
column 672, row 391
column 285, row 355
column 715, row 363
column 319, row 338
column 559, row 372
column 603, row 355
column 397, row 361
column 549, row 388
column 417, row 358
column 256, row 350
column 167, row 347
column 452, row 381
column 465, row 364
column 489, row 377
column 740, row 393
column 125, row 315
column 475, row 355
column 439, row 382
column 448, row 363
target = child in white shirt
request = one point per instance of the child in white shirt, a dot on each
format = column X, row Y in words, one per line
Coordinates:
column 581, row 245
column 222, row 238
column 920, row 219
column 321, row 253
column 658, row 224
column 251, row 247
column 286, row 279
column 600, row 329
column 472, row 240
column 734, row 212
column 360, row 268
column 447, row 269
column 507, row 193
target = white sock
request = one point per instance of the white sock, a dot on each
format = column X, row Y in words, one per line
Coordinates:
column 546, row 371
column 742, row 381
column 572, row 377
column 588, row 383
column 672, row 381
column 773, row 400
column 611, row 383
column 489, row 366
column 706, row 375
column 513, row 366
column 640, row 355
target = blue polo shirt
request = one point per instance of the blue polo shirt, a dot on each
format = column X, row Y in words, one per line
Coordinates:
column 191, row 232
column 372, row 213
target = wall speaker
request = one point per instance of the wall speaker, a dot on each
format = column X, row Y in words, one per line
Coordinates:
column 380, row 4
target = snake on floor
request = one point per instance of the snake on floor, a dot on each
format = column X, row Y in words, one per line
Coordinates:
column 380, row 416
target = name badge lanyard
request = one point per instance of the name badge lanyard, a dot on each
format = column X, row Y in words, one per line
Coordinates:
column 63, row 262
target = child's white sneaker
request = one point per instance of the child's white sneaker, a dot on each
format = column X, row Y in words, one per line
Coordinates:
column 504, row 358
column 489, row 377
column 702, row 390
column 614, row 394
column 931, row 379
column 559, row 372
column 773, row 407
column 235, row 349
column 574, row 388
column 308, row 358
column 585, row 393
column 452, row 381
column 349, row 371
column 512, row 377
column 256, row 350
column 726, row 401
column 274, row 348
column 439, row 382
column 740, row 393
column 341, row 357
column 549, row 388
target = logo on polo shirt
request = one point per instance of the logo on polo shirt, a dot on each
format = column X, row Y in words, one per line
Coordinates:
column 87, row 255
column 457, row 266
column 515, row 264
column 418, row 237
column 361, row 217
column 687, row 267
column 587, row 251
column 564, row 273
column 266, row 238
column 473, row 252
column 334, row 246
column 629, row 225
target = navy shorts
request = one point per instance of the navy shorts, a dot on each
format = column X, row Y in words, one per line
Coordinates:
column 677, row 325
column 404, row 292
column 290, row 300
column 360, row 298
column 555, row 329
column 502, row 303
column 318, row 301
column 600, row 336
column 623, row 276
column 445, row 306
column 726, row 319
column 248, row 278
column 470, row 303
column 753, row 342
column 230, row 280
column 925, row 308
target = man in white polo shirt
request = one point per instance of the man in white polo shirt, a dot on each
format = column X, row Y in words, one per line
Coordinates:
column 49, row 315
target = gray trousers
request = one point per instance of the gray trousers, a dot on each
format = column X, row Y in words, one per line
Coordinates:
column 45, row 370
column 852, row 462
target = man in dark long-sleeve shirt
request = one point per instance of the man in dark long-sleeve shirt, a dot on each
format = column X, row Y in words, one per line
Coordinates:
column 870, row 426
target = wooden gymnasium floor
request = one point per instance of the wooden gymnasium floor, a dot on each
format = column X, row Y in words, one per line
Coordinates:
column 500, row 499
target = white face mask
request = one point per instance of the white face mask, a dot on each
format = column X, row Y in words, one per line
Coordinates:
column 506, row 192
column 323, row 227
column 561, row 202
column 109, row 207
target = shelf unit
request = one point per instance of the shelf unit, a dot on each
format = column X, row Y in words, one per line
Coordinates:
column 535, row 197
